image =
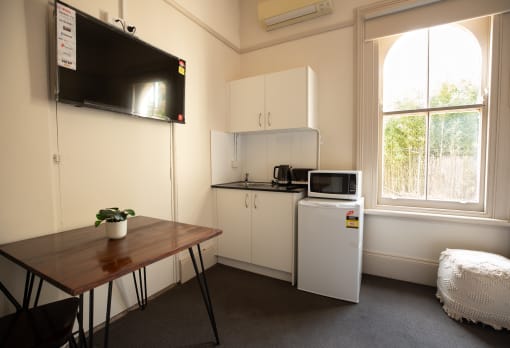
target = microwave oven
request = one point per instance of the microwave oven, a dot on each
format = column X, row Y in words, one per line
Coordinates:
column 334, row 184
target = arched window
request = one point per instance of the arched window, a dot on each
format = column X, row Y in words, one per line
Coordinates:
column 432, row 119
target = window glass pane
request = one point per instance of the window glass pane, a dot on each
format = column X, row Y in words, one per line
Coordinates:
column 405, row 73
column 455, row 67
column 454, row 156
column 404, row 156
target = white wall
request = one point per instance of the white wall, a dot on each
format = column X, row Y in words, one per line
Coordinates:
column 221, row 15
column 26, row 118
column 26, row 143
column 408, row 248
column 399, row 247
column 40, row 197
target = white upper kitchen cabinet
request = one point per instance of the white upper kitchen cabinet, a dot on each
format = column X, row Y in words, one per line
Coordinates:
column 277, row 101
column 247, row 104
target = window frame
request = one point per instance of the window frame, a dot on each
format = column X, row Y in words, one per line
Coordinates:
column 478, row 28
column 407, row 14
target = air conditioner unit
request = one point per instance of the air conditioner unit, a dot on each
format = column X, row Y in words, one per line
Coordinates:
column 275, row 14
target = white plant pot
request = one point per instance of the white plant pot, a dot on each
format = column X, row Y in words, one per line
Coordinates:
column 116, row 230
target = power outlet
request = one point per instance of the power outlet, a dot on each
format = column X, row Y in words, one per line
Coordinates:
column 103, row 15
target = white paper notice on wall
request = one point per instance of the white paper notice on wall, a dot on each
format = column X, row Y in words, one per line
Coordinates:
column 66, row 37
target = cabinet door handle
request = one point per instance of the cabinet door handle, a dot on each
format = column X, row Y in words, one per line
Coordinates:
column 260, row 119
column 255, row 201
column 269, row 119
column 246, row 201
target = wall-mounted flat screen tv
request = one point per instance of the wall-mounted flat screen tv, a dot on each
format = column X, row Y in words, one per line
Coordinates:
column 101, row 66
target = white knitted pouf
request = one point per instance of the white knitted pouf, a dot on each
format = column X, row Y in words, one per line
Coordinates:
column 475, row 285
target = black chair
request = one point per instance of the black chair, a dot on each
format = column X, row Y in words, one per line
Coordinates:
column 45, row 326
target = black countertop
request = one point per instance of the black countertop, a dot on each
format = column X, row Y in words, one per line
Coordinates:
column 261, row 186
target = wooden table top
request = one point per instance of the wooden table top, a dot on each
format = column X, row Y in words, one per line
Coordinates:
column 78, row 260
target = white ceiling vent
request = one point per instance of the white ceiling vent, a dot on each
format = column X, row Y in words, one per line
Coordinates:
column 275, row 14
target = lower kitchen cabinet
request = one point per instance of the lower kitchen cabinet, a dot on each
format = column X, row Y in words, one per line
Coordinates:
column 234, row 216
column 258, row 227
column 272, row 230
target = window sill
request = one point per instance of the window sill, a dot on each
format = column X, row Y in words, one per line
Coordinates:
column 439, row 217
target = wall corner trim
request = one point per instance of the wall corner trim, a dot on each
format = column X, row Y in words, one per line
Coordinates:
column 203, row 25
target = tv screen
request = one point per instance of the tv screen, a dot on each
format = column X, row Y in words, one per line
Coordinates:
column 101, row 66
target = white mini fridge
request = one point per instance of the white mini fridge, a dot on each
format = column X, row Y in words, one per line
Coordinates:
column 330, row 244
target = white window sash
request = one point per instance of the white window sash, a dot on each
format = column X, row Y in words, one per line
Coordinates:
column 497, row 185
column 413, row 204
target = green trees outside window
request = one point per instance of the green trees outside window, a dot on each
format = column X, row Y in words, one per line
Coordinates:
column 431, row 130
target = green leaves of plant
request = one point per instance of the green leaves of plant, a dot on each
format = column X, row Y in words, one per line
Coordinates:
column 112, row 215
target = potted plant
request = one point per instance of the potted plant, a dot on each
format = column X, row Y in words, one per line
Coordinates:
column 116, row 221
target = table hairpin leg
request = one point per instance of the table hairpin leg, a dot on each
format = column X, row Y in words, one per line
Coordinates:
column 81, row 333
column 29, row 285
column 142, row 302
column 141, row 297
column 91, row 318
column 38, row 293
column 202, row 282
column 108, row 307
column 83, row 340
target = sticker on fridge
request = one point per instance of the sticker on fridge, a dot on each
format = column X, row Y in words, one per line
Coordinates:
column 351, row 220
column 66, row 37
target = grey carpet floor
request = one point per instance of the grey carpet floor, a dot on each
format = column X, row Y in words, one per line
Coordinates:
column 256, row 311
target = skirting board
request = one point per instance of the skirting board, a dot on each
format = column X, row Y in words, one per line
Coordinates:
column 268, row 272
column 186, row 265
column 374, row 263
column 401, row 268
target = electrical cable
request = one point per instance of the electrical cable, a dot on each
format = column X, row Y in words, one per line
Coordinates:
column 127, row 29
column 121, row 21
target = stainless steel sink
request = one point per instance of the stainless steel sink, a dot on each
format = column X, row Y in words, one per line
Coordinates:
column 257, row 184
column 262, row 186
